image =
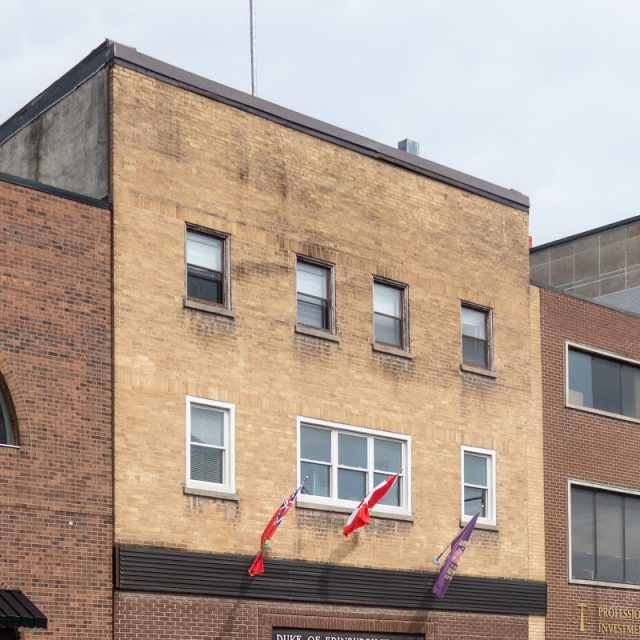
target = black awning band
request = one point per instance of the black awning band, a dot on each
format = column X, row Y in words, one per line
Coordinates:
column 16, row 610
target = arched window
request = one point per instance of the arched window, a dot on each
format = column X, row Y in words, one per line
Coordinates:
column 7, row 422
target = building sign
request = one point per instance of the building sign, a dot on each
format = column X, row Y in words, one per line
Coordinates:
column 314, row 634
column 610, row 621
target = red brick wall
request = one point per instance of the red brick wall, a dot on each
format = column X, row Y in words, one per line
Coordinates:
column 582, row 446
column 142, row 616
column 56, row 530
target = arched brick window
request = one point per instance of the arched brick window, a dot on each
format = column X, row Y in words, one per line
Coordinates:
column 7, row 416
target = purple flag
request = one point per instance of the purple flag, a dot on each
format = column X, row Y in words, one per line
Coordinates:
column 450, row 565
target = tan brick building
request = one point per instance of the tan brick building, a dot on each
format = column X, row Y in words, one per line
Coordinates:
column 293, row 300
column 56, row 507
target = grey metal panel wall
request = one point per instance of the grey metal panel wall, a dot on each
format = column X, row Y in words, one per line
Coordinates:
column 168, row 571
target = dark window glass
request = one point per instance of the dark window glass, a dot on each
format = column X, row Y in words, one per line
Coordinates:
column 313, row 284
column 207, row 444
column 583, row 534
column 604, row 384
column 388, row 312
column 476, row 484
column 605, row 536
column 475, row 344
column 6, row 426
column 205, row 267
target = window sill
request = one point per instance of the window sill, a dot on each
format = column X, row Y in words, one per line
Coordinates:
column 598, row 583
column 599, row 412
column 348, row 511
column 317, row 333
column 393, row 351
column 9, row 446
column 210, row 493
column 189, row 303
column 487, row 373
column 480, row 525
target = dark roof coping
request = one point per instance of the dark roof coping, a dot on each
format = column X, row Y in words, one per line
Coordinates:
column 54, row 191
column 584, row 234
column 110, row 51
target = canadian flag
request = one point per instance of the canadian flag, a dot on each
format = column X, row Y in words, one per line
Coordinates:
column 360, row 516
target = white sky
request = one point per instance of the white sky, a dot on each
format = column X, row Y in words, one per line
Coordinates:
column 540, row 95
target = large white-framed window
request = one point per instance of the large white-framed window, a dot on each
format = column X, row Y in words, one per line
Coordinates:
column 602, row 382
column 604, row 535
column 210, row 445
column 343, row 463
column 478, row 486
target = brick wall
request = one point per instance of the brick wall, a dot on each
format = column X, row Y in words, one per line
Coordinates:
column 582, row 446
column 152, row 616
column 181, row 158
column 56, row 526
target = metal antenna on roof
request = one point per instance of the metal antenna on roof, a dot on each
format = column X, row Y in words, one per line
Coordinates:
column 254, row 74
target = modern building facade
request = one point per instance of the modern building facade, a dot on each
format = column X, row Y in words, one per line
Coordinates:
column 601, row 264
column 56, row 508
column 292, row 302
column 591, row 400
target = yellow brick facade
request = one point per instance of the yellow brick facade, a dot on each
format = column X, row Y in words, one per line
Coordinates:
column 179, row 158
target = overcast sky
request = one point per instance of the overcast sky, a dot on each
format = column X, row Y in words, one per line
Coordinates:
column 541, row 96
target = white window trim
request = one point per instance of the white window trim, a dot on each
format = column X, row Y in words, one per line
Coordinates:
column 591, row 485
column 596, row 352
column 229, row 486
column 307, row 499
column 491, row 498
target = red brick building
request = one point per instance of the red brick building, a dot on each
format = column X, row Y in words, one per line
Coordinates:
column 591, row 405
column 56, row 519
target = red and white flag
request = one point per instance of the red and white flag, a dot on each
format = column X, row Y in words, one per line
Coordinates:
column 257, row 566
column 360, row 516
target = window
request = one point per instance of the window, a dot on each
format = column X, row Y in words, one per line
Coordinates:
column 343, row 464
column 7, row 429
column 314, row 287
column 390, row 314
column 207, row 266
column 603, row 383
column 476, row 336
column 478, row 484
column 210, row 445
column 605, row 535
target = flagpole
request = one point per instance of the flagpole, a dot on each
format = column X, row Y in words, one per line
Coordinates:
column 254, row 73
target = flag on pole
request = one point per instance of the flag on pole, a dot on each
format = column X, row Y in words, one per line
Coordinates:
column 360, row 516
column 450, row 565
column 257, row 565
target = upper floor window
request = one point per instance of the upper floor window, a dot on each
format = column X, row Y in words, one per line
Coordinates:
column 476, row 336
column 344, row 463
column 605, row 535
column 478, row 484
column 7, row 426
column 207, row 266
column 602, row 382
column 314, row 292
column 390, row 311
column 210, row 445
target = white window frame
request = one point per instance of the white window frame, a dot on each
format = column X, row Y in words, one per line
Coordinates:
column 491, row 507
column 591, row 485
column 229, row 482
column 596, row 352
column 336, row 428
